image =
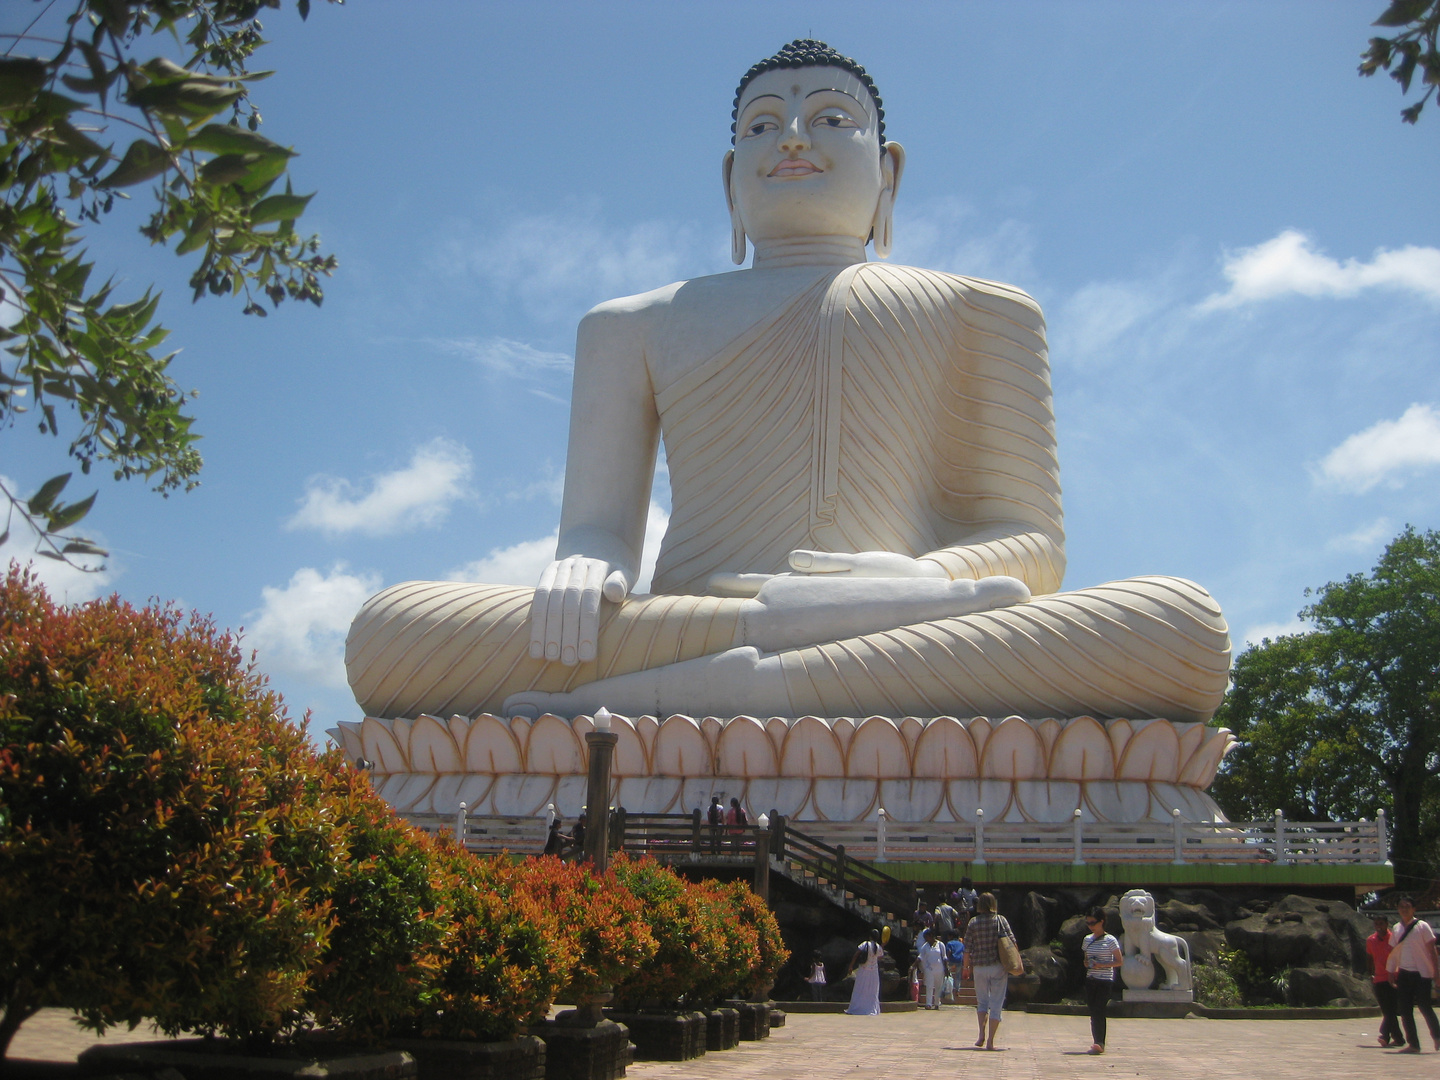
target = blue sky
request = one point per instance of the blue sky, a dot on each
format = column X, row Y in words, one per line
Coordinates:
column 1233, row 236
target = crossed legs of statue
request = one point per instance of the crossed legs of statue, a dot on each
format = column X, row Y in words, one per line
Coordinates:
column 1142, row 647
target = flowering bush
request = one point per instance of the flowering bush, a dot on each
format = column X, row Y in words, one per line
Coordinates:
column 750, row 910
column 501, row 961
column 172, row 820
column 605, row 935
column 688, row 940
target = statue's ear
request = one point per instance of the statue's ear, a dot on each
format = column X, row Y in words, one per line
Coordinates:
column 892, row 166
column 737, row 227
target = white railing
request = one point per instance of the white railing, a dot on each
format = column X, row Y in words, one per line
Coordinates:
column 1076, row 841
column 1079, row 841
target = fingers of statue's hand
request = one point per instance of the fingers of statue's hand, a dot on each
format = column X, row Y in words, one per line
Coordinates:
column 580, row 607
column 539, row 611
column 617, row 586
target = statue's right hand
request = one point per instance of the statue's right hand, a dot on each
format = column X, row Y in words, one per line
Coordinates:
column 565, row 614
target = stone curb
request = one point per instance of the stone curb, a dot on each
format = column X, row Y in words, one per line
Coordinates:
column 1153, row 1010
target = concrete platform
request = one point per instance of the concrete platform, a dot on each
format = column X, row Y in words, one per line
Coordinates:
column 931, row 1045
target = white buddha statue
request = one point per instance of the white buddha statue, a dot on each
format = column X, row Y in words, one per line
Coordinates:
column 865, row 492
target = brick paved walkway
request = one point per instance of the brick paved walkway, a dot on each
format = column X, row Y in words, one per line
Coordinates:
column 924, row 1045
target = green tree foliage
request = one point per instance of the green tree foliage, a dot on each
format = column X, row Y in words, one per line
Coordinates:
column 1410, row 52
column 1345, row 719
column 83, row 121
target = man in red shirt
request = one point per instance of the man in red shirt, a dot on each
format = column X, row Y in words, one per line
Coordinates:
column 1378, row 946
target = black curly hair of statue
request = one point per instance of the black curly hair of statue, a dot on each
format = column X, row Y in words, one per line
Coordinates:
column 806, row 52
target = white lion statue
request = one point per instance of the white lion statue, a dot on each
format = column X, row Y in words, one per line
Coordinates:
column 1144, row 940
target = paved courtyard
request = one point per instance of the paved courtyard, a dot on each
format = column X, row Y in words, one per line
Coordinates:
column 922, row 1045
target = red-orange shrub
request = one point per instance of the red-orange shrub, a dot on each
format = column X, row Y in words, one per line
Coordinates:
column 600, row 921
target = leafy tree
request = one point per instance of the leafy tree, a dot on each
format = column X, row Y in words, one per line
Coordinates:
column 80, row 123
column 1344, row 719
column 1411, row 50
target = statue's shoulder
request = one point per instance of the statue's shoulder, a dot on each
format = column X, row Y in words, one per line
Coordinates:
column 639, row 307
column 962, row 292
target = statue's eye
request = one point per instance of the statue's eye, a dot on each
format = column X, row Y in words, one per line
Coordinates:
column 835, row 120
column 760, row 127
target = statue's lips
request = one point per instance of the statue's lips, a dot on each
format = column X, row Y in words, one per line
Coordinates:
column 794, row 167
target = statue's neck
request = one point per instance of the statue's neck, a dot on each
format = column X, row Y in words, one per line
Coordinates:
column 809, row 251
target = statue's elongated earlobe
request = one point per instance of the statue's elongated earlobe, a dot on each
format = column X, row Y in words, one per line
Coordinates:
column 737, row 227
column 892, row 164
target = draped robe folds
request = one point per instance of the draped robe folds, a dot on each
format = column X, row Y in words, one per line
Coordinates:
column 881, row 408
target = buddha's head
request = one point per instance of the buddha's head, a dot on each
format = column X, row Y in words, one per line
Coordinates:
column 810, row 157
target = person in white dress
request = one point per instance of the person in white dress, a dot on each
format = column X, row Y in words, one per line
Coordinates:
column 930, row 959
column 865, row 965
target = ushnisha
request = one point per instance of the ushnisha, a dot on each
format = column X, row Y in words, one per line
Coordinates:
column 866, row 511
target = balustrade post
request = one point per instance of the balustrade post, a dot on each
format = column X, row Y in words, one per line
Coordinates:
column 1383, row 833
column 1282, row 850
column 461, row 815
column 549, row 815
column 1079, row 859
column 979, row 837
column 695, row 830
column 777, row 835
column 1177, row 826
column 880, row 836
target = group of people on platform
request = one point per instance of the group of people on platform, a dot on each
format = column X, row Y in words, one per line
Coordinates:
column 1405, row 966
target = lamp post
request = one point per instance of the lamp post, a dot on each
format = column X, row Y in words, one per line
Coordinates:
column 762, row 858
column 601, row 743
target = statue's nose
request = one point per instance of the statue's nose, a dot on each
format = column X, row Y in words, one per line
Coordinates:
column 794, row 137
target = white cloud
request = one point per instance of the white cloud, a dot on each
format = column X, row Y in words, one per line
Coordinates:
column 66, row 583
column 557, row 263
column 300, row 629
column 518, row 564
column 415, row 496
column 1383, row 450
column 523, row 563
column 1365, row 539
column 504, row 357
column 1098, row 315
column 1288, row 264
column 1272, row 630
column 946, row 235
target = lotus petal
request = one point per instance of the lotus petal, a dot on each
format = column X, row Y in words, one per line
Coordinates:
column 553, row 748
column 1200, row 770
column 844, row 800
column 963, row 798
column 413, row 795
column 1014, row 752
column 744, row 749
column 1047, row 800
column 1153, row 753
column 785, row 795
column 1082, row 751
column 1120, row 732
column 877, row 750
column 347, row 735
column 811, row 750
column 681, row 749
column 650, row 795
column 647, row 727
column 445, row 795
column 996, row 798
column 945, row 750
column 979, row 729
column 1119, row 802
column 521, row 796
column 382, row 748
column 474, row 792
column 432, row 749
column 630, row 758
column 491, row 747
column 912, row 800
column 569, row 795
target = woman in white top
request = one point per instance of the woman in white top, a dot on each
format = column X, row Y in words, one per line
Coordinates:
column 1412, row 965
column 865, row 997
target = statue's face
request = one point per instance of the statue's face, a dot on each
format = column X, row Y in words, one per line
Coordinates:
column 807, row 155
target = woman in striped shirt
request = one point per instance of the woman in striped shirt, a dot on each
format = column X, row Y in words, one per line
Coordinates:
column 1102, row 958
